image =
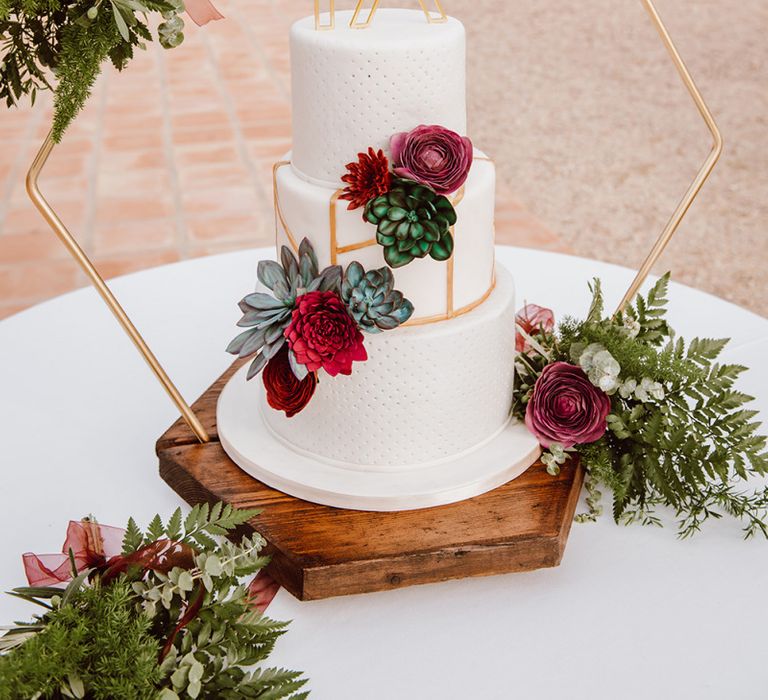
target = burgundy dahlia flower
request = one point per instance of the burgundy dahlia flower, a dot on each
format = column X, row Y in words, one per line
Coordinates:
column 323, row 334
column 566, row 408
column 284, row 391
column 433, row 156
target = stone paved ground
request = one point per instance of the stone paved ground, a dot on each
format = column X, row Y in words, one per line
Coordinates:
column 173, row 158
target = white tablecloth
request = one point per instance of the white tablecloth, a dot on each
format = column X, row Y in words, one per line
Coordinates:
column 630, row 613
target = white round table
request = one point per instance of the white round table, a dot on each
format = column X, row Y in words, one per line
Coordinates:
column 630, row 613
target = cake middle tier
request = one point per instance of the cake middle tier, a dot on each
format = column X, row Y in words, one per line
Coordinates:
column 339, row 236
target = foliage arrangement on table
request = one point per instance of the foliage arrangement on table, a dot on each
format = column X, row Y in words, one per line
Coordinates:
column 653, row 418
column 160, row 614
column 65, row 42
column 407, row 201
column 312, row 320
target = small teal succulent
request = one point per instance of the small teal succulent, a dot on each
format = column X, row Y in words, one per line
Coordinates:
column 412, row 221
column 266, row 316
column 372, row 299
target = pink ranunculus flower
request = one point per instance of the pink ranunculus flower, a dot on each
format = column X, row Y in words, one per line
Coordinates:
column 566, row 408
column 532, row 319
column 323, row 334
column 434, row 156
column 91, row 544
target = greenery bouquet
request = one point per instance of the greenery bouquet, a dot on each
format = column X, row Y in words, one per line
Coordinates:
column 160, row 614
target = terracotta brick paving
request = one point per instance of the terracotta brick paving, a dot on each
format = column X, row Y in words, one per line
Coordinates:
column 168, row 161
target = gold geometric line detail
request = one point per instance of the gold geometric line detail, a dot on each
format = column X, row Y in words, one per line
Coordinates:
column 278, row 208
column 331, row 22
column 354, row 24
column 449, row 285
column 334, row 241
column 459, row 196
column 701, row 177
column 441, row 17
column 456, row 313
column 356, row 246
column 74, row 249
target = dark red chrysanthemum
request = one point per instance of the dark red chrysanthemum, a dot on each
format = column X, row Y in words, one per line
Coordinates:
column 367, row 179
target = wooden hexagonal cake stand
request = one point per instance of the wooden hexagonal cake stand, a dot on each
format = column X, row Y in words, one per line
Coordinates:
column 320, row 552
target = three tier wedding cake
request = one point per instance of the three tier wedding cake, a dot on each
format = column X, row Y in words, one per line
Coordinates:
column 385, row 335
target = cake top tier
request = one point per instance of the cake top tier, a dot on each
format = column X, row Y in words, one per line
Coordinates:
column 355, row 88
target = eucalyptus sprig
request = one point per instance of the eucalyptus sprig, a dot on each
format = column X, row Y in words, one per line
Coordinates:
column 679, row 434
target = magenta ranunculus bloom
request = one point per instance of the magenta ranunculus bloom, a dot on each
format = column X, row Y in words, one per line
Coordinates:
column 434, row 156
column 323, row 334
column 566, row 407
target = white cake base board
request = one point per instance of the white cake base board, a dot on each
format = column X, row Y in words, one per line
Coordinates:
column 252, row 446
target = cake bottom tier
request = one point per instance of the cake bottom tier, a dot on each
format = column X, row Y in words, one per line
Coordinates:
column 427, row 394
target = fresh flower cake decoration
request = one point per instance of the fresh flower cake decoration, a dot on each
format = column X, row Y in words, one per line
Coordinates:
column 406, row 200
column 313, row 320
column 655, row 420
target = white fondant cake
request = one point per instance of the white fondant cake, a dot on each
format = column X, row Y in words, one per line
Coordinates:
column 354, row 88
column 440, row 388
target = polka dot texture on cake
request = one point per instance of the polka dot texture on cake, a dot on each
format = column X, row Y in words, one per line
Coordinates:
column 426, row 394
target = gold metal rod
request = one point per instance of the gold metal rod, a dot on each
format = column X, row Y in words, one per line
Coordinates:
column 354, row 23
column 332, row 17
column 83, row 261
column 701, row 176
column 432, row 19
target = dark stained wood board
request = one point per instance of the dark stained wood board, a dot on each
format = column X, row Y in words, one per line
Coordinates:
column 320, row 552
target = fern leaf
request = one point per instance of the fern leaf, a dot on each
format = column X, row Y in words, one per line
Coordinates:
column 133, row 538
column 173, row 529
column 155, row 531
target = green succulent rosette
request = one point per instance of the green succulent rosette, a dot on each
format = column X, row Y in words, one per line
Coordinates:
column 266, row 316
column 372, row 299
column 412, row 221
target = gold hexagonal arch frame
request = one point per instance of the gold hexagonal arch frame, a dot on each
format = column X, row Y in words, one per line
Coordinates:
column 80, row 257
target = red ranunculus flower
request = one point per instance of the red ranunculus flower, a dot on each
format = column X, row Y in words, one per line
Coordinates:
column 284, row 391
column 433, row 156
column 323, row 334
column 367, row 179
column 566, row 407
column 532, row 319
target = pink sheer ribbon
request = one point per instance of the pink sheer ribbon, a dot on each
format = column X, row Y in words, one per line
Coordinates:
column 262, row 591
column 95, row 545
column 202, row 11
column 91, row 545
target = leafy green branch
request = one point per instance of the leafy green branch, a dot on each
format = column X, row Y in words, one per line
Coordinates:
column 60, row 45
